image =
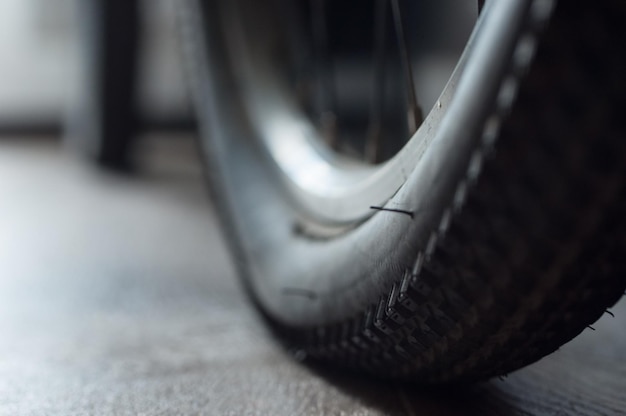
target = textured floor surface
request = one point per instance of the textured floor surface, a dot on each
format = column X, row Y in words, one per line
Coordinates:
column 117, row 297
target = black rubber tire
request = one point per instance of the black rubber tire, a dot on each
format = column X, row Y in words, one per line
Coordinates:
column 516, row 240
column 105, row 123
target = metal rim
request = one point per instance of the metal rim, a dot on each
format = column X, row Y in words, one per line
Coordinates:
column 331, row 188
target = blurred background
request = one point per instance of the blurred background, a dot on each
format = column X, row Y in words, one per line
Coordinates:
column 40, row 44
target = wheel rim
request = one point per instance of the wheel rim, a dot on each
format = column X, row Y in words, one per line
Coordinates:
column 265, row 226
column 329, row 186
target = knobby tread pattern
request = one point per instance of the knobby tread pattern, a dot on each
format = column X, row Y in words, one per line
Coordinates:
column 533, row 248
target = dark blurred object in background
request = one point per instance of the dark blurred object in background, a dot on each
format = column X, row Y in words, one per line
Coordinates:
column 52, row 59
column 106, row 119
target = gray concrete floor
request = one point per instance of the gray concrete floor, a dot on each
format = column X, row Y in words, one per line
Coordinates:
column 117, row 296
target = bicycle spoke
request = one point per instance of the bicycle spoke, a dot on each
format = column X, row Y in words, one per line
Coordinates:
column 415, row 115
column 325, row 72
column 373, row 146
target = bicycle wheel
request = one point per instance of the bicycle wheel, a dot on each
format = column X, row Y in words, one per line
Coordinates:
column 490, row 237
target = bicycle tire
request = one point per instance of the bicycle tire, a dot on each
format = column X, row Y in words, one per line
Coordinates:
column 506, row 240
